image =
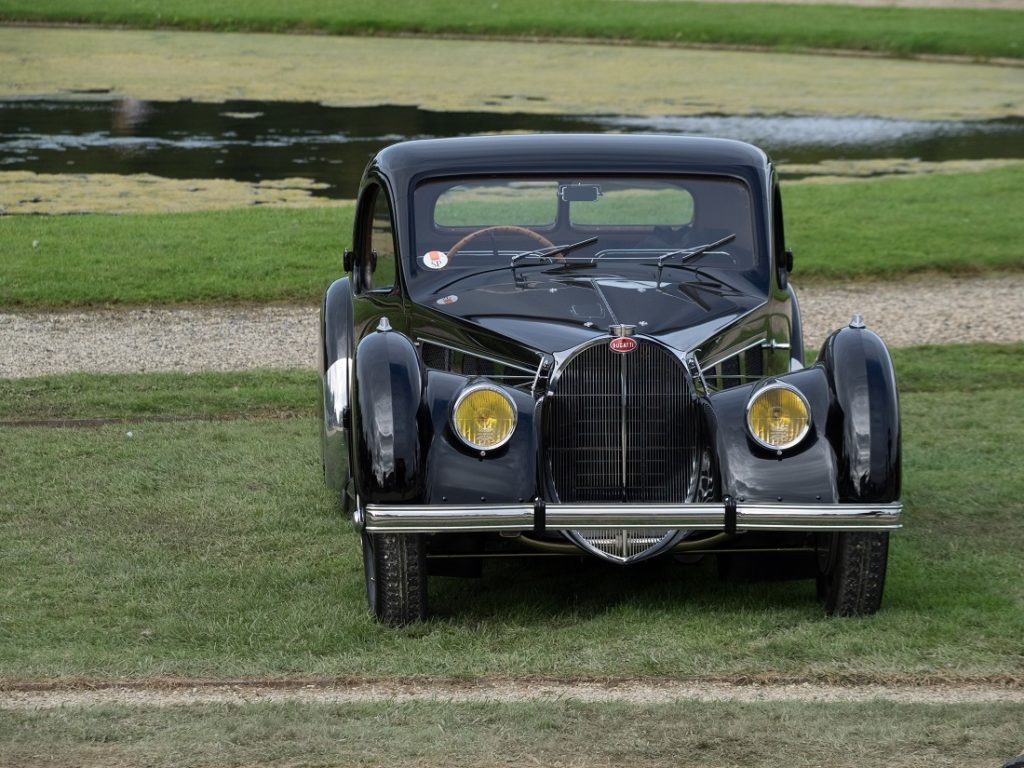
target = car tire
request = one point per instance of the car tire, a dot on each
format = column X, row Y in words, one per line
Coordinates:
column 395, row 566
column 851, row 572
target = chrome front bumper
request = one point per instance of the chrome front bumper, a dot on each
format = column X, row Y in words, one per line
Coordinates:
column 385, row 518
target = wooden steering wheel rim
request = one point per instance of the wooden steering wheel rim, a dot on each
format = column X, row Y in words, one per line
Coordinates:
column 511, row 229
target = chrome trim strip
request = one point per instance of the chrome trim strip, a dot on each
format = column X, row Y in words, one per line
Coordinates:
column 726, row 355
column 496, row 360
column 536, row 377
column 385, row 518
column 623, row 426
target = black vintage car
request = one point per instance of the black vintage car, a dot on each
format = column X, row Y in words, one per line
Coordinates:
column 590, row 345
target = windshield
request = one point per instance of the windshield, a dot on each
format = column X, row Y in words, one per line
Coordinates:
column 663, row 230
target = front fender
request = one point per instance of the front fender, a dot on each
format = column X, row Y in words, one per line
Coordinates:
column 335, row 380
column 852, row 452
column 458, row 475
column 751, row 473
column 865, row 425
column 389, row 420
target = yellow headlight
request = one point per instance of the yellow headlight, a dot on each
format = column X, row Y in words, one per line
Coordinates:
column 484, row 418
column 778, row 417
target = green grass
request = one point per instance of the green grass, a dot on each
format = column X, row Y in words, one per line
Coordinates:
column 884, row 228
column 258, row 394
column 251, row 255
column 213, row 549
column 898, row 31
column 681, row 735
column 208, row 395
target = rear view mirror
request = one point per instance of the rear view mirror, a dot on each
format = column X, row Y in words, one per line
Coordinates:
column 579, row 193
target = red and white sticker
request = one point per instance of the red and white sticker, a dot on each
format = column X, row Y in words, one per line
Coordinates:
column 449, row 299
column 622, row 344
column 435, row 260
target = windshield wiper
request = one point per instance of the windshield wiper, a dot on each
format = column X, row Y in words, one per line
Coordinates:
column 514, row 267
column 689, row 253
column 553, row 250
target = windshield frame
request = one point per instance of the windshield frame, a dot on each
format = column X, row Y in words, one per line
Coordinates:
column 423, row 282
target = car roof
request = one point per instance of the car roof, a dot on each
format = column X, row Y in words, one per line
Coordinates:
column 411, row 161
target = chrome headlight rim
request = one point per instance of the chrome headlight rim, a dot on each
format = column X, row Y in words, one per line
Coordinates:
column 469, row 390
column 760, row 392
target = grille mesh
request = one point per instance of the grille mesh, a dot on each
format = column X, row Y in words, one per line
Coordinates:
column 624, row 428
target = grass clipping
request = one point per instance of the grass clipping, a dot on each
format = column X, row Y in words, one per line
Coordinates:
column 474, row 75
column 24, row 192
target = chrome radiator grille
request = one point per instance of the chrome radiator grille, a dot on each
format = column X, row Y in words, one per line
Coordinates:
column 624, row 428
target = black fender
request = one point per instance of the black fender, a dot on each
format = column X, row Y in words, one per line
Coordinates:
column 335, row 383
column 864, row 426
column 749, row 472
column 389, row 420
column 457, row 474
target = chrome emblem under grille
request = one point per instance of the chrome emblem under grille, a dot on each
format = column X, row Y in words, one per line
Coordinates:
column 625, row 545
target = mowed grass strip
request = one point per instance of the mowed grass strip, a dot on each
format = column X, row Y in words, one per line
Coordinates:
column 253, row 394
column 245, row 255
column 687, row 733
column 900, row 31
column 214, row 550
column 206, row 395
column 885, row 229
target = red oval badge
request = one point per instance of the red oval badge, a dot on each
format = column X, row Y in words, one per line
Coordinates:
column 622, row 344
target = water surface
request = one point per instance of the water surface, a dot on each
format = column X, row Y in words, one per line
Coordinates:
column 257, row 140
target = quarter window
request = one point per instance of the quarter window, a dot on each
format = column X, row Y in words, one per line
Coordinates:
column 376, row 271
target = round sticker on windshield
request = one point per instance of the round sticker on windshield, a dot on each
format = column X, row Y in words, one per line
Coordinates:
column 446, row 300
column 435, row 259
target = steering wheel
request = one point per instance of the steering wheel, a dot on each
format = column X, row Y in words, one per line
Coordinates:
column 506, row 229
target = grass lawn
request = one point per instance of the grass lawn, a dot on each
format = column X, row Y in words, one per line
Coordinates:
column 900, row 31
column 207, row 395
column 248, row 254
column 213, row 549
column 884, row 228
column 680, row 735
column 259, row 394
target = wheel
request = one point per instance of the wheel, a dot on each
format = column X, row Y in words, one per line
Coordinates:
column 501, row 229
column 851, row 572
column 395, row 566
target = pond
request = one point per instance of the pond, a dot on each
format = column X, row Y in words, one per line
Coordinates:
column 252, row 141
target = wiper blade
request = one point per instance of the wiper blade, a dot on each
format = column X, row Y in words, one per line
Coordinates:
column 689, row 253
column 513, row 267
column 553, row 250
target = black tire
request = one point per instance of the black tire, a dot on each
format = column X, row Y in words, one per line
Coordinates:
column 851, row 572
column 395, row 566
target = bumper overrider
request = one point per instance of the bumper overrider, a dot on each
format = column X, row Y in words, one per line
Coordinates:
column 721, row 516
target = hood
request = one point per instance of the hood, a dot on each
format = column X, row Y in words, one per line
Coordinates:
column 556, row 312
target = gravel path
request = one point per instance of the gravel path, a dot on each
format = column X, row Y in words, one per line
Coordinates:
column 626, row 691
column 932, row 311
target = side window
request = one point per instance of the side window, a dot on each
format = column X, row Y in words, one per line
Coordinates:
column 375, row 270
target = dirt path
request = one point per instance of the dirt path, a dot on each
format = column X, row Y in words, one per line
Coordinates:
column 638, row 692
column 921, row 311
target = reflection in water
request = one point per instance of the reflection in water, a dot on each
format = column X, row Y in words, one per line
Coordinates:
column 253, row 141
column 129, row 114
